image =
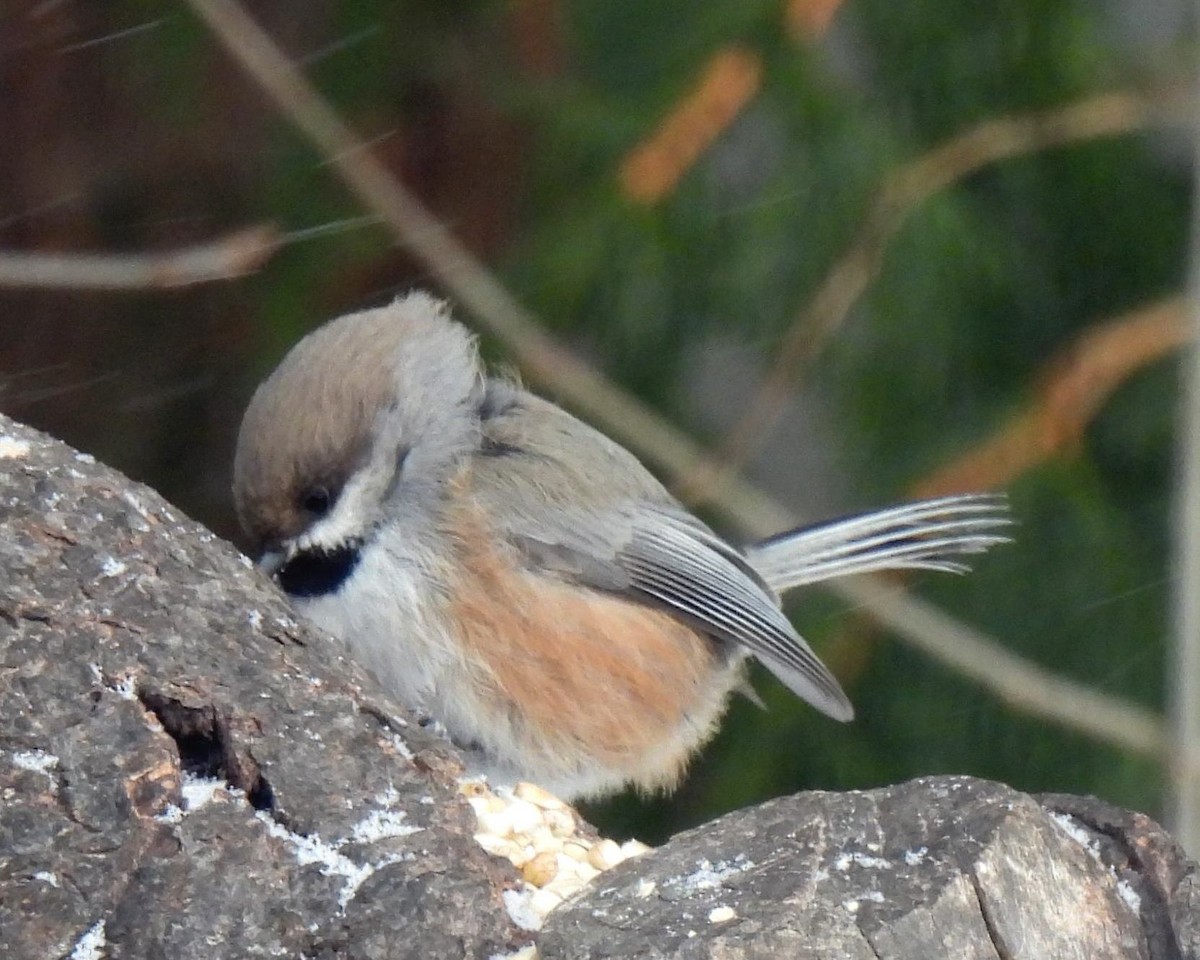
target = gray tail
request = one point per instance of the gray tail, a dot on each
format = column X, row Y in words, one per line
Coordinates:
column 926, row 535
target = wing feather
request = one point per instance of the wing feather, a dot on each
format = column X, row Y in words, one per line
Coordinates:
column 721, row 596
column 577, row 506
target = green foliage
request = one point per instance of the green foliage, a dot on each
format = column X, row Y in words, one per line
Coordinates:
column 979, row 287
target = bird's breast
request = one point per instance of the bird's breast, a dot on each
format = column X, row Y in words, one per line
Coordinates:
column 578, row 689
column 389, row 613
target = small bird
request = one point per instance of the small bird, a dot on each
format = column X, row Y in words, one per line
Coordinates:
column 516, row 575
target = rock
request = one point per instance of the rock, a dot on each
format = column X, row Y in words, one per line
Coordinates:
column 186, row 771
column 939, row 867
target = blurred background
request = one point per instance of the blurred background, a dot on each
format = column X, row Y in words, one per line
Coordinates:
column 856, row 251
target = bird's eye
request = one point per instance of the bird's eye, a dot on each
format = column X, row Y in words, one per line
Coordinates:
column 317, row 501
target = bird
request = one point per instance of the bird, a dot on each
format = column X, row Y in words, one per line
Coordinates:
column 519, row 577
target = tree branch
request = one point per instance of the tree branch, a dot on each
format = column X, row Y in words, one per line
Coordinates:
column 1104, row 115
column 234, row 255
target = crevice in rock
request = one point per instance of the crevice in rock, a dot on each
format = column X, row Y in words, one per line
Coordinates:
column 34, row 615
column 869, row 941
column 382, row 716
column 206, row 747
column 989, row 921
column 64, row 797
column 1131, row 863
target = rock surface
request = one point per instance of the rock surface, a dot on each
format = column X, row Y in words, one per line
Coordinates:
column 939, row 867
column 185, row 771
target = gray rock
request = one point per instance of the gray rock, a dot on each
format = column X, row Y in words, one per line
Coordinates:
column 939, row 867
column 186, row 771
column 143, row 665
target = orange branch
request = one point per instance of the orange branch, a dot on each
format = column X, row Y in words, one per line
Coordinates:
column 809, row 19
column 652, row 169
column 1075, row 385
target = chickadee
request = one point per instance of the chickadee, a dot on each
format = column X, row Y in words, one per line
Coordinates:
column 515, row 574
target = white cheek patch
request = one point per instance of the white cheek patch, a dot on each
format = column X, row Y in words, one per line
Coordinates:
column 390, row 614
column 346, row 523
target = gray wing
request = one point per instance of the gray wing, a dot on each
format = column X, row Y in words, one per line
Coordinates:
column 691, row 572
column 618, row 530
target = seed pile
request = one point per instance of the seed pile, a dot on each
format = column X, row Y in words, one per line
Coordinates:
column 543, row 837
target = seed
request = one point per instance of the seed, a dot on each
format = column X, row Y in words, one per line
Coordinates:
column 544, row 900
column 605, row 854
column 538, row 796
column 541, row 869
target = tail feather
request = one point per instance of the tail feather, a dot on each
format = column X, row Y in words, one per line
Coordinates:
column 926, row 535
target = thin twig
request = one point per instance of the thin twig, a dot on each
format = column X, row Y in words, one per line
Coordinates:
column 231, row 256
column 1105, row 115
column 1104, row 717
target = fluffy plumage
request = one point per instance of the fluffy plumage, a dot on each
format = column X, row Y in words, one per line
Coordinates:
column 518, row 575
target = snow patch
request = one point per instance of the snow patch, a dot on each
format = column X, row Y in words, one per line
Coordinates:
column 112, row 567
column 196, row 792
column 199, row 791
column 377, row 825
column 709, row 875
column 313, row 849
column 383, row 824
column 13, row 449
column 37, row 761
column 1131, row 897
column 859, row 859
column 91, row 945
column 520, row 910
column 401, row 747
column 1071, row 827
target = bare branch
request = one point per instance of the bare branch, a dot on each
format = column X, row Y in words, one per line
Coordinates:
column 455, row 268
column 1074, row 386
column 658, row 442
column 1105, row 115
column 231, row 256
